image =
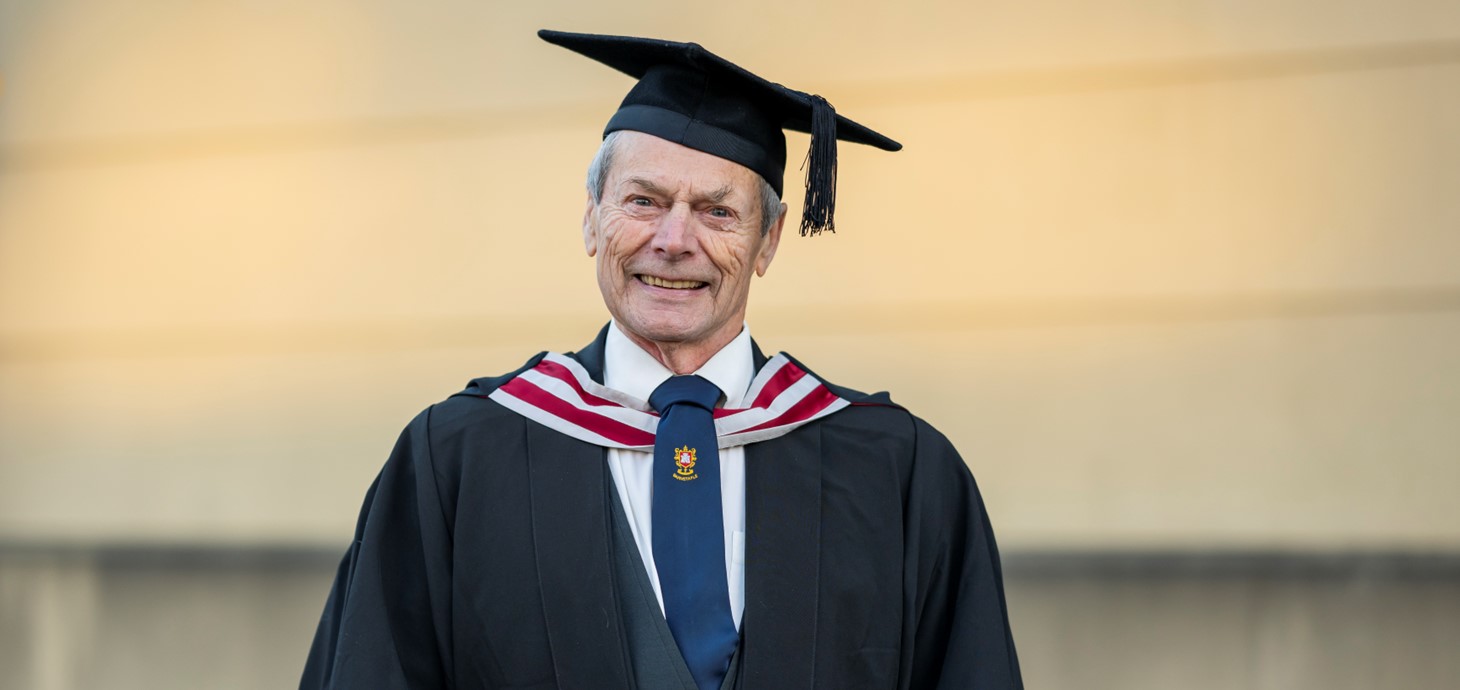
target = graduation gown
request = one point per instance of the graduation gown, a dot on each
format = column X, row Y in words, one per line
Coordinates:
column 482, row 559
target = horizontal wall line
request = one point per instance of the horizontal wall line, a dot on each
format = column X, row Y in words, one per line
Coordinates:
column 406, row 335
column 314, row 136
column 1176, row 563
column 1017, row 563
column 1167, row 73
column 23, row 158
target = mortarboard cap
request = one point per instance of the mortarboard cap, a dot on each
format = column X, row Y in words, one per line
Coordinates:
column 694, row 98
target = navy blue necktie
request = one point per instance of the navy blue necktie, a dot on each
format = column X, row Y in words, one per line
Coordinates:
column 689, row 534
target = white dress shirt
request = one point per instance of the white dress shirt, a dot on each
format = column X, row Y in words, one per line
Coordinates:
column 628, row 368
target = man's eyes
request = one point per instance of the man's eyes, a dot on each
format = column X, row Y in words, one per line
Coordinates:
column 720, row 212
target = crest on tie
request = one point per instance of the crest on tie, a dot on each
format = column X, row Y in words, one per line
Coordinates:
column 685, row 459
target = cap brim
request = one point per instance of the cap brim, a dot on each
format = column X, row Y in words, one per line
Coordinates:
column 635, row 56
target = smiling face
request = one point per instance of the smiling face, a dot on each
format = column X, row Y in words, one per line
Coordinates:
column 677, row 235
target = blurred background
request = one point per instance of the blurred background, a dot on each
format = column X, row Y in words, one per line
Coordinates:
column 1181, row 279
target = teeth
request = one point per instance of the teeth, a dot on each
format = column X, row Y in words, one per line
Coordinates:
column 671, row 284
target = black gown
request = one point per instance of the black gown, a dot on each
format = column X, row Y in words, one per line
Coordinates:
column 482, row 559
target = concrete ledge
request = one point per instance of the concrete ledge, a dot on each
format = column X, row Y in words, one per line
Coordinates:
column 1017, row 563
column 1381, row 564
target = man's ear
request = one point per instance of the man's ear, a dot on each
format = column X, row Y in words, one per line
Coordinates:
column 772, row 241
column 590, row 226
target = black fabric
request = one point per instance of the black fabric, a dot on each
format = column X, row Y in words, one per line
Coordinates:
column 692, row 97
column 654, row 658
column 685, row 130
column 483, row 559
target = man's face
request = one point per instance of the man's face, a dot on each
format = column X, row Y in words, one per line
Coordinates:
column 677, row 234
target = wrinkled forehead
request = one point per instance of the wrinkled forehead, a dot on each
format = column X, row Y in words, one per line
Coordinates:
column 645, row 161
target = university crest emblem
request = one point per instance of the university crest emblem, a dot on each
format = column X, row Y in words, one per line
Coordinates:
column 685, row 459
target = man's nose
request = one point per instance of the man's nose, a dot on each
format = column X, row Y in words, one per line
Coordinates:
column 675, row 234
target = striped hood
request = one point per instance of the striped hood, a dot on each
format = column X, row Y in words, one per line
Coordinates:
column 559, row 393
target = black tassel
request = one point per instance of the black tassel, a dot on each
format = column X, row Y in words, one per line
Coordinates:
column 820, row 165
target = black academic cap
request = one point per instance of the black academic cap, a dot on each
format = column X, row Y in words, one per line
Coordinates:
column 692, row 97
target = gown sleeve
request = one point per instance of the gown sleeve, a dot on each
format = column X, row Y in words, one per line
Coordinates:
column 957, row 631
column 387, row 620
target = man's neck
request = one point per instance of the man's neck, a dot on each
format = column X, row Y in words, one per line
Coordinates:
column 635, row 370
column 684, row 358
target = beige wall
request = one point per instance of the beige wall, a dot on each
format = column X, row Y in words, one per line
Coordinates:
column 1170, row 273
column 1176, row 276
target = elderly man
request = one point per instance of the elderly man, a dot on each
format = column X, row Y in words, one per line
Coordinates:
column 668, row 507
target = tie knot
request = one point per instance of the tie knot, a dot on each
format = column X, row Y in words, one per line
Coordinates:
column 690, row 389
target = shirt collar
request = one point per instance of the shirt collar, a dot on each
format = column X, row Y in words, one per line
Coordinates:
column 629, row 369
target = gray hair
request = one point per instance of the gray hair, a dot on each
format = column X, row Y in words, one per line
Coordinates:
column 770, row 202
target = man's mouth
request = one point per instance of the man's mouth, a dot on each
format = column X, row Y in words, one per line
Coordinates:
column 669, row 284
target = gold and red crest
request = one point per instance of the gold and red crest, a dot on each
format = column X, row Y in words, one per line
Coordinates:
column 685, row 459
